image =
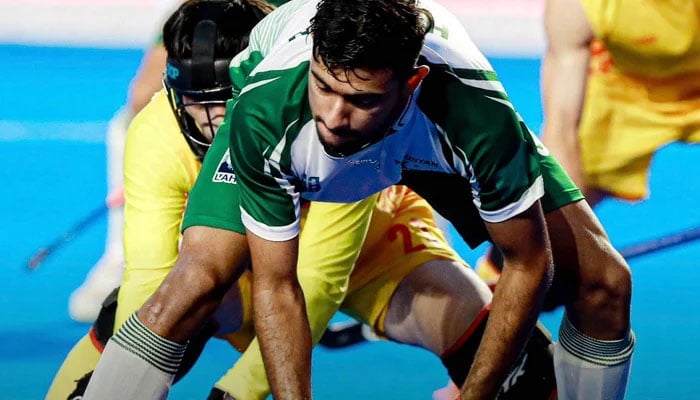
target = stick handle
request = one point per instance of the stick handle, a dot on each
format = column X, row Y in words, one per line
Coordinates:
column 661, row 243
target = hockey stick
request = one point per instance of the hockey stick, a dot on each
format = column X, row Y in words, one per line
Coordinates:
column 115, row 199
column 664, row 242
column 345, row 334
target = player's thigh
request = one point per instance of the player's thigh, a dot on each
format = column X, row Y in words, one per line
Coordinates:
column 397, row 247
column 587, row 267
column 435, row 304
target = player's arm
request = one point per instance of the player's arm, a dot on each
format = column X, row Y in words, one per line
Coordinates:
column 506, row 182
column 155, row 179
column 148, row 79
column 280, row 317
column 564, row 74
column 329, row 243
column 517, row 300
column 270, row 212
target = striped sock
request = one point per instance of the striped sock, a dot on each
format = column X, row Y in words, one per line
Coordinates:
column 136, row 364
column 589, row 368
column 158, row 351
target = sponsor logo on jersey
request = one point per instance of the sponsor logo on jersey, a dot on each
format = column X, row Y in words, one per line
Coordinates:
column 419, row 164
column 224, row 172
column 312, row 184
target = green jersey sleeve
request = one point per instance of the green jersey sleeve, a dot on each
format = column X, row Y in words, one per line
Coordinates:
column 487, row 138
column 269, row 189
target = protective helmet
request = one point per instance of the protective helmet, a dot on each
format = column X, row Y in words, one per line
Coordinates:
column 203, row 79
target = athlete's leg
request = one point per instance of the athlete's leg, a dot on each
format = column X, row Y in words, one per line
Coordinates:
column 80, row 361
column 148, row 349
column 443, row 306
column 228, row 323
column 593, row 281
column 422, row 310
column 72, row 378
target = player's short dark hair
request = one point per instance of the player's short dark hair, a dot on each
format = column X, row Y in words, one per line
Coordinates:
column 233, row 18
column 374, row 34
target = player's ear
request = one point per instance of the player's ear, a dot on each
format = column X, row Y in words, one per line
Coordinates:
column 419, row 73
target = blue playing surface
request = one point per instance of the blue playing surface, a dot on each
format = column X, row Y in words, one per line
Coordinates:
column 55, row 106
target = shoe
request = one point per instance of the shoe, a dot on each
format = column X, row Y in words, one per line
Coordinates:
column 86, row 301
column 449, row 392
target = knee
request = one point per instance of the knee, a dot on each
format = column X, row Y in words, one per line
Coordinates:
column 603, row 306
column 612, row 286
column 206, row 274
column 190, row 291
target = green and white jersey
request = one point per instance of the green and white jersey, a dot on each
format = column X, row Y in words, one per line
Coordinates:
column 459, row 137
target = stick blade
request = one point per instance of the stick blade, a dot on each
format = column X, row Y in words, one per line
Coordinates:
column 36, row 259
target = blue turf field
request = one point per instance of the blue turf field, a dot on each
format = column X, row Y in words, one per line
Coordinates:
column 55, row 104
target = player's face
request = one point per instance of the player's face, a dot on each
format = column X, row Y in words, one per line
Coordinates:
column 353, row 109
column 208, row 118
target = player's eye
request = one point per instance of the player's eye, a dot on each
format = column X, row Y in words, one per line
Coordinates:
column 365, row 101
column 323, row 88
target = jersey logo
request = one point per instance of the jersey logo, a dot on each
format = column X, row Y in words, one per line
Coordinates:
column 312, row 184
column 224, row 172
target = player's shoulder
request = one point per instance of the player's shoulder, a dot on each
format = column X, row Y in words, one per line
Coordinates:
column 281, row 25
column 155, row 130
column 448, row 43
column 274, row 99
column 156, row 115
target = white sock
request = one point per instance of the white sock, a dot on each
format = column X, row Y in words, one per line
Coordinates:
column 591, row 369
column 136, row 364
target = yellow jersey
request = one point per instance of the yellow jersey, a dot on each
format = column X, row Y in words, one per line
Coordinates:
column 159, row 171
column 649, row 38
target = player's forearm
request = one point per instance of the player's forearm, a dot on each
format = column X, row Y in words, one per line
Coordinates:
column 564, row 75
column 283, row 331
column 514, row 310
column 247, row 378
column 148, row 79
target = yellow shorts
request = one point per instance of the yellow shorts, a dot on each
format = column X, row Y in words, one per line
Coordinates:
column 626, row 120
column 402, row 236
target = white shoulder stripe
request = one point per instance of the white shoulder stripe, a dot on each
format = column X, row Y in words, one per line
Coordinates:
column 502, row 101
column 496, row 86
column 248, row 88
column 531, row 195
